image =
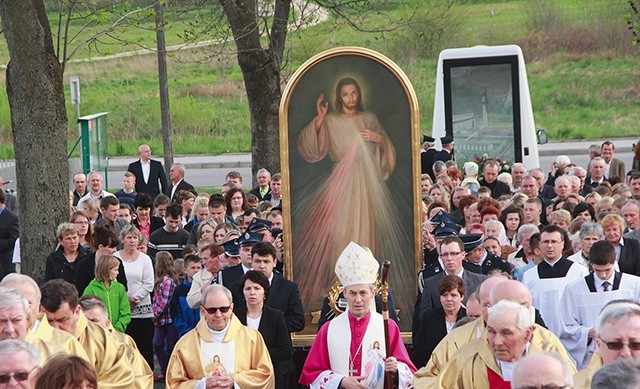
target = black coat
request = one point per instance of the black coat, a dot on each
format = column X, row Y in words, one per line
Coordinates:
column 629, row 261
column 9, row 233
column 278, row 341
column 183, row 185
column 157, row 178
column 283, row 296
column 57, row 267
column 431, row 330
column 155, row 222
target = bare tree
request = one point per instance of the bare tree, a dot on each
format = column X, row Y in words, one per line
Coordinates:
column 39, row 125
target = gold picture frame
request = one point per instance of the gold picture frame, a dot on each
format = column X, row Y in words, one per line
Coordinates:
column 349, row 183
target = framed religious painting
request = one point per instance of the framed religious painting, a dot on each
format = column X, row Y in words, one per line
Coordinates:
column 350, row 141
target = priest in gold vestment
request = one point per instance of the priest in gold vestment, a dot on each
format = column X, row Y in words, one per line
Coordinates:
column 48, row 340
column 106, row 355
column 489, row 363
column 220, row 350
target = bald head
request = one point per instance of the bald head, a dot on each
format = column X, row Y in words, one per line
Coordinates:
column 513, row 291
column 542, row 370
column 484, row 292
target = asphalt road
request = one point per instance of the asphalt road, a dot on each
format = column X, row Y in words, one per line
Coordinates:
column 210, row 171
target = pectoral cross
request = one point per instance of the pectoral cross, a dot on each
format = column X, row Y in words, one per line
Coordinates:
column 352, row 371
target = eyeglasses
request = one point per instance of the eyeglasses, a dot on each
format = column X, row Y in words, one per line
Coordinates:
column 18, row 376
column 543, row 387
column 213, row 310
column 453, row 254
column 633, row 346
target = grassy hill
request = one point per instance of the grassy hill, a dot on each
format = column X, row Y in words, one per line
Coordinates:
column 583, row 71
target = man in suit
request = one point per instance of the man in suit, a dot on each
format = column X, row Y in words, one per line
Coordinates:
column 263, row 188
column 596, row 172
column 283, row 294
column 490, row 180
column 614, row 168
column 80, row 187
column 176, row 175
column 631, row 213
column 9, row 232
column 446, row 154
column 150, row 177
column 426, row 157
column 478, row 259
column 452, row 254
column 242, row 247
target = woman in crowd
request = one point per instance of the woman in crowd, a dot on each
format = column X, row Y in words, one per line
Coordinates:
column 440, row 193
column 236, row 202
column 254, row 286
column 84, row 229
column 220, row 231
column 613, row 226
column 91, row 208
column 205, row 230
column 512, row 218
column 139, row 273
column 111, row 292
column 145, row 223
column 187, row 199
column 61, row 263
column 160, row 204
column 66, row 371
column 437, row 323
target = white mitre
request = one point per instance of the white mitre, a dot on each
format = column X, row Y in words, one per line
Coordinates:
column 356, row 265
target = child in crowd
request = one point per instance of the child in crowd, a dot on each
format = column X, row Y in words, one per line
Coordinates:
column 165, row 334
column 112, row 293
column 184, row 317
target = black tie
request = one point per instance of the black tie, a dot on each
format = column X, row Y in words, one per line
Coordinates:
column 606, row 285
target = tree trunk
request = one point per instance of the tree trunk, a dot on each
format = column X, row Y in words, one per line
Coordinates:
column 165, row 112
column 39, row 124
column 261, row 73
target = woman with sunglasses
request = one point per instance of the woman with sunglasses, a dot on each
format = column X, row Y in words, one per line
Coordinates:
column 254, row 287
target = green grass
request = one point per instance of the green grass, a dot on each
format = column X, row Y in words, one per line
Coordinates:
column 583, row 73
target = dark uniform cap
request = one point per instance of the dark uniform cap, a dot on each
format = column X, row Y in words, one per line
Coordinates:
column 445, row 140
column 232, row 248
column 427, row 138
column 445, row 229
column 440, row 217
column 471, row 241
column 249, row 239
column 258, row 225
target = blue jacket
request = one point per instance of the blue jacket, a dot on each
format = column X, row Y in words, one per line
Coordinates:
column 184, row 317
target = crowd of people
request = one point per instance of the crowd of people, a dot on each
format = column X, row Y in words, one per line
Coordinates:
column 529, row 280
column 561, row 249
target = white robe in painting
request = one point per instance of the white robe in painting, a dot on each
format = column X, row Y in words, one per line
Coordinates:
column 547, row 292
column 581, row 304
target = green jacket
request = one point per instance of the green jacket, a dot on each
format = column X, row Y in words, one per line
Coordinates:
column 116, row 300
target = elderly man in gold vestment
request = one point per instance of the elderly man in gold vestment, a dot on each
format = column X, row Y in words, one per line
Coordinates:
column 456, row 346
column 106, row 355
column 53, row 340
column 220, row 352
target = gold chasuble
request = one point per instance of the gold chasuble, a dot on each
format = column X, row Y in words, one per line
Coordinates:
column 143, row 375
column 582, row 379
column 242, row 353
column 108, row 356
column 49, row 341
column 427, row 376
column 468, row 368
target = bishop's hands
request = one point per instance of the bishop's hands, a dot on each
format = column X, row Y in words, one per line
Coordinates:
column 352, row 383
column 391, row 364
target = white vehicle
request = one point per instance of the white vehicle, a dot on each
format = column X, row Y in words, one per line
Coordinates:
column 482, row 100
